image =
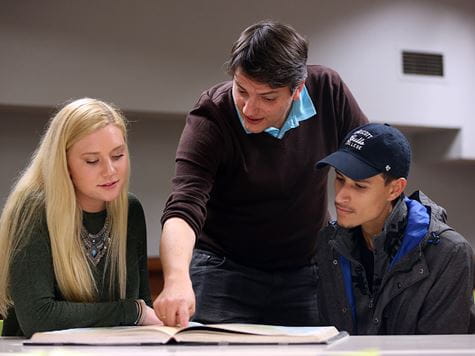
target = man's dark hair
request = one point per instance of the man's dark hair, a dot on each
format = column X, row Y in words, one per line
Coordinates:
column 388, row 178
column 272, row 53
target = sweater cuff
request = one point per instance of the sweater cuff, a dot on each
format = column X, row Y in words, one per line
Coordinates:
column 183, row 216
column 130, row 312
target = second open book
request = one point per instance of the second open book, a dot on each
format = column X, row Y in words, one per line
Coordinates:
column 194, row 333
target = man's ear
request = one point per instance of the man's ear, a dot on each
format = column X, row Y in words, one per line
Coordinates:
column 397, row 187
column 297, row 91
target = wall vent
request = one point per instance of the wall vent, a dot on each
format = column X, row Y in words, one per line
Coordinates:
column 422, row 63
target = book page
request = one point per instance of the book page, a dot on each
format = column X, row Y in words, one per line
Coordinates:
column 261, row 329
column 253, row 333
column 119, row 335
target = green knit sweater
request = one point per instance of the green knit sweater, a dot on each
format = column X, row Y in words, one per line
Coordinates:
column 40, row 306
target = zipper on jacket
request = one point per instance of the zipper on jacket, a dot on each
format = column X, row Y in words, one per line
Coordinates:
column 371, row 302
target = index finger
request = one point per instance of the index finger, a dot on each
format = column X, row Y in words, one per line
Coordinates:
column 183, row 315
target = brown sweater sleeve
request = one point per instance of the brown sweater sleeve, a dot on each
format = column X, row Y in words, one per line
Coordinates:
column 198, row 157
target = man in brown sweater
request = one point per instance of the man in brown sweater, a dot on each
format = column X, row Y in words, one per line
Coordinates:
column 246, row 205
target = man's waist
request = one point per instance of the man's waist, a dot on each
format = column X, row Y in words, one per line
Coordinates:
column 260, row 258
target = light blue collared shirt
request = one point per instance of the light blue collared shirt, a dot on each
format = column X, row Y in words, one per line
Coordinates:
column 302, row 109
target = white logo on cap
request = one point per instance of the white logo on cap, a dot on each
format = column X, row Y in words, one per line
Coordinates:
column 388, row 168
column 357, row 139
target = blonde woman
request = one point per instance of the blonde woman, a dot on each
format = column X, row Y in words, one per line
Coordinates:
column 73, row 240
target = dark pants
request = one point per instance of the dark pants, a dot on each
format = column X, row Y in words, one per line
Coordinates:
column 228, row 292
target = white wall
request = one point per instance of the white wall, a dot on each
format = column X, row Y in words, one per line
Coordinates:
column 18, row 139
column 158, row 55
column 367, row 48
column 155, row 57
column 153, row 140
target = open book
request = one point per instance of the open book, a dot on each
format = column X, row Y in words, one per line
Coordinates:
column 194, row 333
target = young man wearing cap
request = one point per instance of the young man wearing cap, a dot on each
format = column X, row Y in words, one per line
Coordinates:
column 389, row 264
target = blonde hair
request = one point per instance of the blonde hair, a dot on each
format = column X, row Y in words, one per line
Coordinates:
column 46, row 186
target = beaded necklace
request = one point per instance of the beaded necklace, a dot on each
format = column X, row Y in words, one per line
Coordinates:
column 96, row 245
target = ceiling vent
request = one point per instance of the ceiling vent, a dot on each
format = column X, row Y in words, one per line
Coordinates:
column 423, row 63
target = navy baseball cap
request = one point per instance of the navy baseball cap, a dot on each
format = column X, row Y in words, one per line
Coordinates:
column 369, row 150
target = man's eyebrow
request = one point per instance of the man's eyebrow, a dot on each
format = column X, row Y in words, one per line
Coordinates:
column 362, row 180
column 272, row 91
column 337, row 172
column 238, row 84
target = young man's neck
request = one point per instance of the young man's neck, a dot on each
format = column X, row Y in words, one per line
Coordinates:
column 373, row 228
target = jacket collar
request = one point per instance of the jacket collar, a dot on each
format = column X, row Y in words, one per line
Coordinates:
column 400, row 235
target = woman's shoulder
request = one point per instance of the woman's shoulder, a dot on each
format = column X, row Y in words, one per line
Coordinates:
column 136, row 219
column 133, row 200
column 32, row 213
column 135, row 206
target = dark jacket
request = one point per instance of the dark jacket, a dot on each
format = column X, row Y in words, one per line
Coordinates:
column 422, row 281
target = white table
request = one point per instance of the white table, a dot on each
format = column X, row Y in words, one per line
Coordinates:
column 353, row 345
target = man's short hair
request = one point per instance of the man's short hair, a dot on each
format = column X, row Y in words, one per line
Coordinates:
column 388, row 178
column 272, row 53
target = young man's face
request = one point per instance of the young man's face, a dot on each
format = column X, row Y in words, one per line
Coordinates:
column 364, row 202
column 260, row 105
